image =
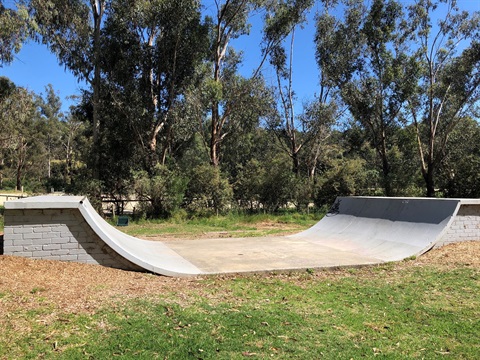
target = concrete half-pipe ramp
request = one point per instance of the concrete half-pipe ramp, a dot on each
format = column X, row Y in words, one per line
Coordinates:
column 356, row 231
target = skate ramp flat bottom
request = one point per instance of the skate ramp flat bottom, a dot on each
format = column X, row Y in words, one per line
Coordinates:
column 356, row 231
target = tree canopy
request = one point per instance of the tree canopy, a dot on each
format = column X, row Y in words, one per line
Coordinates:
column 169, row 117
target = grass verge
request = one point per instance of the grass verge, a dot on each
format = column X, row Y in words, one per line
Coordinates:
column 391, row 312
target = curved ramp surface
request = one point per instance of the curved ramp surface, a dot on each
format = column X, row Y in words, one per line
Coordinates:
column 356, row 231
column 387, row 229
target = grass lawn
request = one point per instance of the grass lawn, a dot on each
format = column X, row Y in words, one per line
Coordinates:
column 232, row 225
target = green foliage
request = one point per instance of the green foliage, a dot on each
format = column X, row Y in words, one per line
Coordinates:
column 148, row 76
column 67, row 28
column 278, row 185
column 22, row 151
column 14, row 30
column 160, row 193
column 208, row 191
column 213, row 90
column 85, row 185
column 165, row 91
column 449, row 81
column 458, row 173
column 347, row 177
column 375, row 81
column 249, row 185
column 302, row 195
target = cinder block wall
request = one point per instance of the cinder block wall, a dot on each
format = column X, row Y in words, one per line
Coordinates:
column 57, row 234
column 465, row 226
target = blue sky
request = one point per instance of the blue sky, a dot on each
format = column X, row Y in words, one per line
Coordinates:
column 35, row 67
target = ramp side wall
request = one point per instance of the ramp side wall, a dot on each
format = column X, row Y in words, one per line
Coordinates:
column 57, row 234
column 465, row 226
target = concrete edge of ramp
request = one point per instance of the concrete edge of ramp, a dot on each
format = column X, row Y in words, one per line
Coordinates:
column 153, row 256
column 150, row 255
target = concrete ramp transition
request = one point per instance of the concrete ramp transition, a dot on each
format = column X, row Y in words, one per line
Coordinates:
column 356, row 231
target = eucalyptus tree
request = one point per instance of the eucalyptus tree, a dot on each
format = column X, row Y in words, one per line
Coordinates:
column 365, row 57
column 303, row 137
column 58, row 134
column 229, row 22
column 50, row 109
column 15, row 27
column 72, row 31
column 311, row 127
column 72, row 142
column 7, row 123
column 230, row 93
column 448, row 54
column 19, row 119
column 152, row 51
column 7, row 90
column 457, row 175
column 317, row 122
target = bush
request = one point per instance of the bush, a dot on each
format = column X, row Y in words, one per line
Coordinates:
column 85, row 185
column 278, row 188
column 347, row 178
column 302, row 194
column 161, row 194
column 207, row 191
column 249, row 184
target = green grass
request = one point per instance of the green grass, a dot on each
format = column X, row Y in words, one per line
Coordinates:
column 424, row 313
column 232, row 225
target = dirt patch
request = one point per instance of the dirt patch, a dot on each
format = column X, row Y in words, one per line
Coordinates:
column 74, row 288
column 453, row 255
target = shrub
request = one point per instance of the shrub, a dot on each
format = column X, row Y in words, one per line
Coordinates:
column 345, row 179
column 278, row 187
column 207, row 191
column 249, row 184
column 161, row 193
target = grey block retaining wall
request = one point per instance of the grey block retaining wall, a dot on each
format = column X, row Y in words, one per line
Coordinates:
column 57, row 234
column 465, row 226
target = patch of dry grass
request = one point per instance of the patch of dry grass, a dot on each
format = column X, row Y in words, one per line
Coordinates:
column 75, row 288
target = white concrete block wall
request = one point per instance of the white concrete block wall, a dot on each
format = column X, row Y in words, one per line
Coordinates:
column 465, row 226
column 57, row 234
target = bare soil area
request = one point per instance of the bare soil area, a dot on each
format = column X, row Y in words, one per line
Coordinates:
column 74, row 288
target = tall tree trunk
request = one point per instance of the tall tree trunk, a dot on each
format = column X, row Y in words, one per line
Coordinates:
column 296, row 161
column 215, row 132
column 98, row 8
column 19, row 179
column 152, row 158
column 312, row 165
column 386, row 168
column 66, row 171
column 387, row 186
column 214, row 136
column 429, row 180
